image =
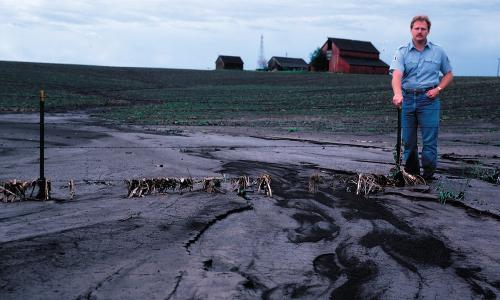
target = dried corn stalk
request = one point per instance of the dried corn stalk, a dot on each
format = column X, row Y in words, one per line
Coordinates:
column 241, row 184
column 371, row 183
column 143, row 187
column 137, row 187
column 186, row 183
column 368, row 183
column 264, row 183
column 14, row 190
column 212, row 185
column 163, row 184
column 71, row 187
column 314, row 181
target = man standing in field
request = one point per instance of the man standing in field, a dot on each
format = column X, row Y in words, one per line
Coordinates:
column 416, row 68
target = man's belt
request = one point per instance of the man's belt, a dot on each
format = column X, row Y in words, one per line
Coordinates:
column 418, row 91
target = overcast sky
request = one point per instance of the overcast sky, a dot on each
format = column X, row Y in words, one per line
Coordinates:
column 192, row 33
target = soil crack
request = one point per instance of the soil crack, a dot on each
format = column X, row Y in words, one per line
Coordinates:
column 89, row 295
column 213, row 221
column 179, row 278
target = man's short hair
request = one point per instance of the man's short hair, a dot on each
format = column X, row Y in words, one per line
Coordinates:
column 421, row 19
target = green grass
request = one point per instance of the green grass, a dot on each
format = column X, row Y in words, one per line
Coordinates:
column 450, row 192
column 488, row 174
column 303, row 101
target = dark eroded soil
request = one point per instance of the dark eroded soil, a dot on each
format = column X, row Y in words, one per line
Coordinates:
column 194, row 245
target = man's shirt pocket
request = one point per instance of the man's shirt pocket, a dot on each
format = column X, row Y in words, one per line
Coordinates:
column 431, row 65
column 410, row 65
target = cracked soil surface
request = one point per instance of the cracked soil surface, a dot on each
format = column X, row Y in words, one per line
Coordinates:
column 400, row 244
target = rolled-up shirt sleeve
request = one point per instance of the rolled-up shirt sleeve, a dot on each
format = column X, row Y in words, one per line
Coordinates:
column 445, row 64
column 397, row 62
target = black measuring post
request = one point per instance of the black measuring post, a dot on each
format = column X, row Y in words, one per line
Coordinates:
column 398, row 142
column 42, row 134
column 42, row 184
column 398, row 175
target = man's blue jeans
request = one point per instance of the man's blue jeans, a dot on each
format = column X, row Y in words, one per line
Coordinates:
column 420, row 111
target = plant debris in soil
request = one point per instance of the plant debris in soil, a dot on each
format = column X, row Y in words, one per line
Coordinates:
column 15, row 190
column 365, row 183
column 161, row 185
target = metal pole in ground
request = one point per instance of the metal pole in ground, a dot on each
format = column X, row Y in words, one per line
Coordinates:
column 42, row 183
column 498, row 68
column 398, row 176
column 398, row 142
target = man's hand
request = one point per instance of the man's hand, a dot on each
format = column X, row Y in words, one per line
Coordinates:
column 445, row 81
column 397, row 100
column 432, row 93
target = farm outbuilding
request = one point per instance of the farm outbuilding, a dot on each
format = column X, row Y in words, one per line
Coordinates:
column 277, row 63
column 352, row 56
column 227, row 62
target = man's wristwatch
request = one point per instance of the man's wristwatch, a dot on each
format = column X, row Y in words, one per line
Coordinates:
column 439, row 88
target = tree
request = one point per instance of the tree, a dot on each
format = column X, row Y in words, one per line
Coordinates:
column 319, row 62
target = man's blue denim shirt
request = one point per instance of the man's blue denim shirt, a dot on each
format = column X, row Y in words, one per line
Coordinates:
column 420, row 69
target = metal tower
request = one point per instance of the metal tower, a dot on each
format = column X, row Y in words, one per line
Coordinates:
column 261, row 63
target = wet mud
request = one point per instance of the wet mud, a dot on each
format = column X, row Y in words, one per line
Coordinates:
column 330, row 244
column 349, row 271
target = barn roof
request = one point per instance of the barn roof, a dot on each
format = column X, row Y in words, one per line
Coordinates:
column 365, row 62
column 230, row 59
column 289, row 62
column 353, row 45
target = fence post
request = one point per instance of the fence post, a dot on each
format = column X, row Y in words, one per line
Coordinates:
column 43, row 189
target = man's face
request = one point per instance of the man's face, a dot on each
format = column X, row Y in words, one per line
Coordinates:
column 419, row 31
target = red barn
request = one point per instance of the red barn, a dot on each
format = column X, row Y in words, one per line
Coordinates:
column 351, row 56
